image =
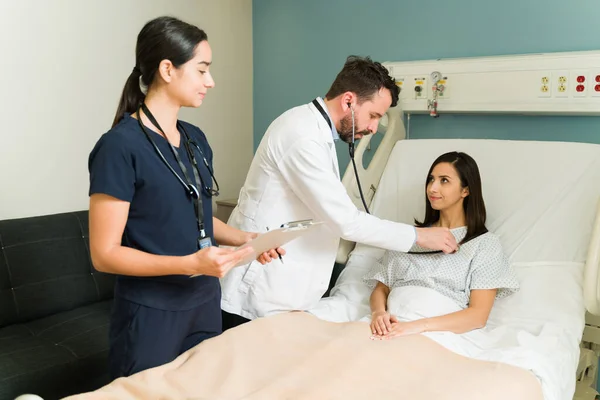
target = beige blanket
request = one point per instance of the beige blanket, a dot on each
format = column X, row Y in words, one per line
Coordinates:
column 297, row 356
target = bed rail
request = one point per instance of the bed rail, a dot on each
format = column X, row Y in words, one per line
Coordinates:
column 591, row 293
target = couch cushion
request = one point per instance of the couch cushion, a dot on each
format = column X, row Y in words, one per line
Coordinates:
column 82, row 331
column 50, row 355
column 8, row 308
column 45, row 267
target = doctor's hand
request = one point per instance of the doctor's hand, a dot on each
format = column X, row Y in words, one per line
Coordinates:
column 270, row 255
column 381, row 322
column 437, row 239
column 216, row 261
column 267, row 256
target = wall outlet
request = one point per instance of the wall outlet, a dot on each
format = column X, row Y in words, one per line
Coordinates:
column 544, row 84
column 594, row 85
column 561, row 82
column 580, row 83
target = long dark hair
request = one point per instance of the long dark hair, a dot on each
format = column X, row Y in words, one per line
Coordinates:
column 163, row 38
column 473, row 204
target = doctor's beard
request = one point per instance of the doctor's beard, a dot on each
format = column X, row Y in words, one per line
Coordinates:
column 345, row 131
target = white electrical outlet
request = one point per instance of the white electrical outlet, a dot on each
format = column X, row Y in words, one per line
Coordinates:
column 420, row 87
column 543, row 84
column 561, row 83
column 579, row 83
column 594, row 85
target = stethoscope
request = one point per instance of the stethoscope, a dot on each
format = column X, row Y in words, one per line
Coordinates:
column 190, row 188
column 350, row 146
column 351, row 152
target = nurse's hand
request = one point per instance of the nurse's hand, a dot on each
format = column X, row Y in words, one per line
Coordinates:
column 246, row 237
column 216, row 261
column 437, row 239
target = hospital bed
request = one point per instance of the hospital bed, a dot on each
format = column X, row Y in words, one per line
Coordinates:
column 542, row 200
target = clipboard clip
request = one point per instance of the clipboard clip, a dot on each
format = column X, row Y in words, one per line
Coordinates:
column 298, row 224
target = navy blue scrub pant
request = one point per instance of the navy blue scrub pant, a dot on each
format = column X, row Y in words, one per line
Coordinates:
column 144, row 337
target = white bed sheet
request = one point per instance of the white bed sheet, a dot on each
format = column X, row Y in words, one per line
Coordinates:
column 541, row 199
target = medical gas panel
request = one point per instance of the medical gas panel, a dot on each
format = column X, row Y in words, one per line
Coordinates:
column 550, row 83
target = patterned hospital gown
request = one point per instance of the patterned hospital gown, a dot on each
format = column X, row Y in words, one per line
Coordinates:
column 479, row 264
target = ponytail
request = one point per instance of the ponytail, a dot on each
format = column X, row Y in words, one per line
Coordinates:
column 132, row 96
column 163, row 38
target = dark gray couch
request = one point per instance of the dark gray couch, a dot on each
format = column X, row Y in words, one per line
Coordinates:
column 54, row 308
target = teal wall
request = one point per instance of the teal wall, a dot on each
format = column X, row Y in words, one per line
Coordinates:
column 300, row 45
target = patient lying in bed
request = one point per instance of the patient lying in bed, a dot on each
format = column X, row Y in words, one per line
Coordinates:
column 423, row 291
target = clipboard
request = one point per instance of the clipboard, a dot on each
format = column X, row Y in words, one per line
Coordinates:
column 276, row 238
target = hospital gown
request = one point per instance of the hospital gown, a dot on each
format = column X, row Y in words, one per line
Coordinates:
column 479, row 264
column 431, row 285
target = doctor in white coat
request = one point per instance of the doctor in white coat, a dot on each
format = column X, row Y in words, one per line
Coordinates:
column 295, row 175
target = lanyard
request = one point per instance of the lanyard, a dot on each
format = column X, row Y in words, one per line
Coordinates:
column 191, row 190
column 323, row 113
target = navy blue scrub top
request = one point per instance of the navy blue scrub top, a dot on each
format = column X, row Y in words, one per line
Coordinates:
column 161, row 219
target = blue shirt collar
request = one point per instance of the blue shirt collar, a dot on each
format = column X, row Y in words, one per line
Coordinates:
column 334, row 133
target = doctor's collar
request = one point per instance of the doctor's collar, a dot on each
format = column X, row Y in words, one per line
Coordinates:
column 334, row 133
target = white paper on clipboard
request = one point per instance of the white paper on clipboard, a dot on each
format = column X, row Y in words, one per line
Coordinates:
column 276, row 238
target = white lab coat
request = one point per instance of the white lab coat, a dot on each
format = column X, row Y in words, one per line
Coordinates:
column 295, row 175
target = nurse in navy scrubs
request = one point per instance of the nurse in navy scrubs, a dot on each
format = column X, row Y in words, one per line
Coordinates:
column 151, row 221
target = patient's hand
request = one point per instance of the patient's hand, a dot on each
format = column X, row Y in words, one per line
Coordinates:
column 404, row 329
column 381, row 322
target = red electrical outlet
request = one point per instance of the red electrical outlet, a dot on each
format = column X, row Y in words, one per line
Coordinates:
column 579, row 88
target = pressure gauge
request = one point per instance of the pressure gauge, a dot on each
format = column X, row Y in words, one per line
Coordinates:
column 436, row 76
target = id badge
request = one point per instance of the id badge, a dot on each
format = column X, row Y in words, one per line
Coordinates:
column 204, row 242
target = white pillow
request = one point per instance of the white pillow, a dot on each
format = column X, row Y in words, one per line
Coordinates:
column 541, row 298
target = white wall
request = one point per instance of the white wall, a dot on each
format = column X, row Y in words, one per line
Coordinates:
column 63, row 66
